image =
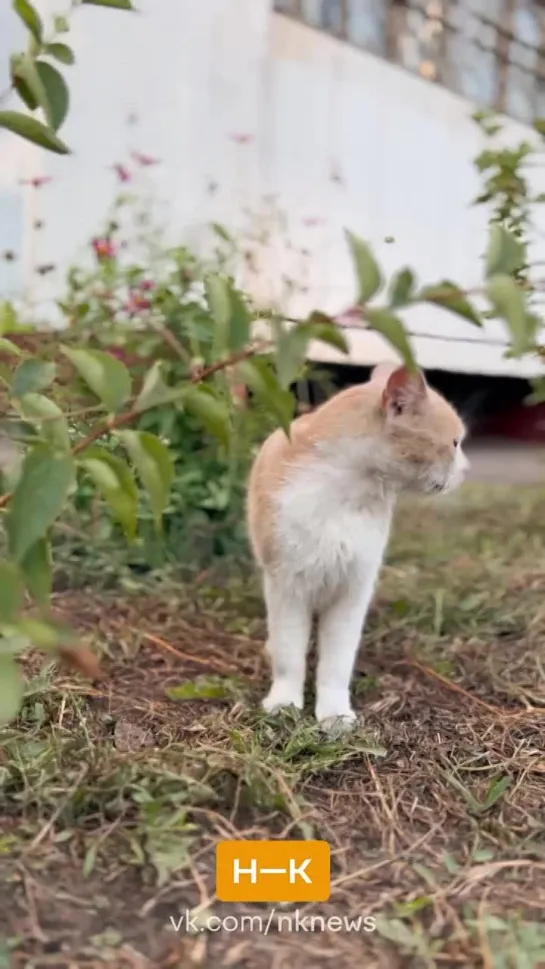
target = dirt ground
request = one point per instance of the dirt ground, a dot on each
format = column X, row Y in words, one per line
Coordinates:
column 114, row 795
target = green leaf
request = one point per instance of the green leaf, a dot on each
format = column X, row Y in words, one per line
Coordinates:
column 17, row 430
column 61, row 24
column 260, row 378
column 509, row 304
column 8, row 317
column 222, row 233
column 37, row 569
column 450, row 297
column 426, row 874
column 291, row 349
column 217, row 295
column 13, row 644
column 6, row 346
column 90, row 859
column 32, row 130
column 506, row 255
column 209, row 688
column 538, row 393
column 58, row 98
column 30, row 18
column 324, row 329
column 115, row 482
column 211, row 412
column 240, row 321
column 292, row 344
column 401, row 288
column 32, row 375
column 45, row 635
column 154, row 464
column 26, row 81
column 39, row 498
column 392, row 329
column 484, row 854
column 48, row 419
column 404, row 909
column 12, row 592
column 61, row 52
column 155, row 391
column 396, row 931
column 107, row 377
column 473, row 804
column 367, row 270
column 539, row 125
column 451, row 864
column 11, row 689
column 23, row 89
column 116, row 4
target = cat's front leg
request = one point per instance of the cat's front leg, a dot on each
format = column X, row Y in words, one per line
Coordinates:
column 339, row 631
column 289, row 621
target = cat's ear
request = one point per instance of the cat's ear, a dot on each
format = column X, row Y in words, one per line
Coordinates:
column 405, row 391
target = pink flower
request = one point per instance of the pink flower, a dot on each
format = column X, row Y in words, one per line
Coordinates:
column 145, row 160
column 37, row 181
column 242, row 137
column 137, row 303
column 350, row 317
column 104, row 248
column 146, row 285
column 122, row 172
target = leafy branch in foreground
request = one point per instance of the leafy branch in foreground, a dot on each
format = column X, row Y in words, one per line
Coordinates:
column 37, row 79
column 514, row 205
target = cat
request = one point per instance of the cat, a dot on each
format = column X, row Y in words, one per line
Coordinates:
column 319, row 509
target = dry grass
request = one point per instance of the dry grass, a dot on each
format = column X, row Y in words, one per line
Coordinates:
column 114, row 798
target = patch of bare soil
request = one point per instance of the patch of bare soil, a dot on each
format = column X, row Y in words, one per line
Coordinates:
column 115, row 795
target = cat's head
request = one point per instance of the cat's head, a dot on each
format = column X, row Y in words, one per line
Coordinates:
column 421, row 432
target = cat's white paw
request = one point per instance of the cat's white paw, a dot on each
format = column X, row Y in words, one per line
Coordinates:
column 281, row 696
column 338, row 724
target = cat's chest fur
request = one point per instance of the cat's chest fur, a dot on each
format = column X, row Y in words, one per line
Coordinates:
column 332, row 523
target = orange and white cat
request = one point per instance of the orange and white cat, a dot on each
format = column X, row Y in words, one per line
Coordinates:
column 319, row 511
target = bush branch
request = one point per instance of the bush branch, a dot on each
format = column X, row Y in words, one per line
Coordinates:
column 121, row 420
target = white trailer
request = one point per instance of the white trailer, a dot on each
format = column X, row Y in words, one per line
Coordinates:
column 255, row 106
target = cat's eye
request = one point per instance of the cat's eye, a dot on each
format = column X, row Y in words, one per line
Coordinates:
column 456, row 441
